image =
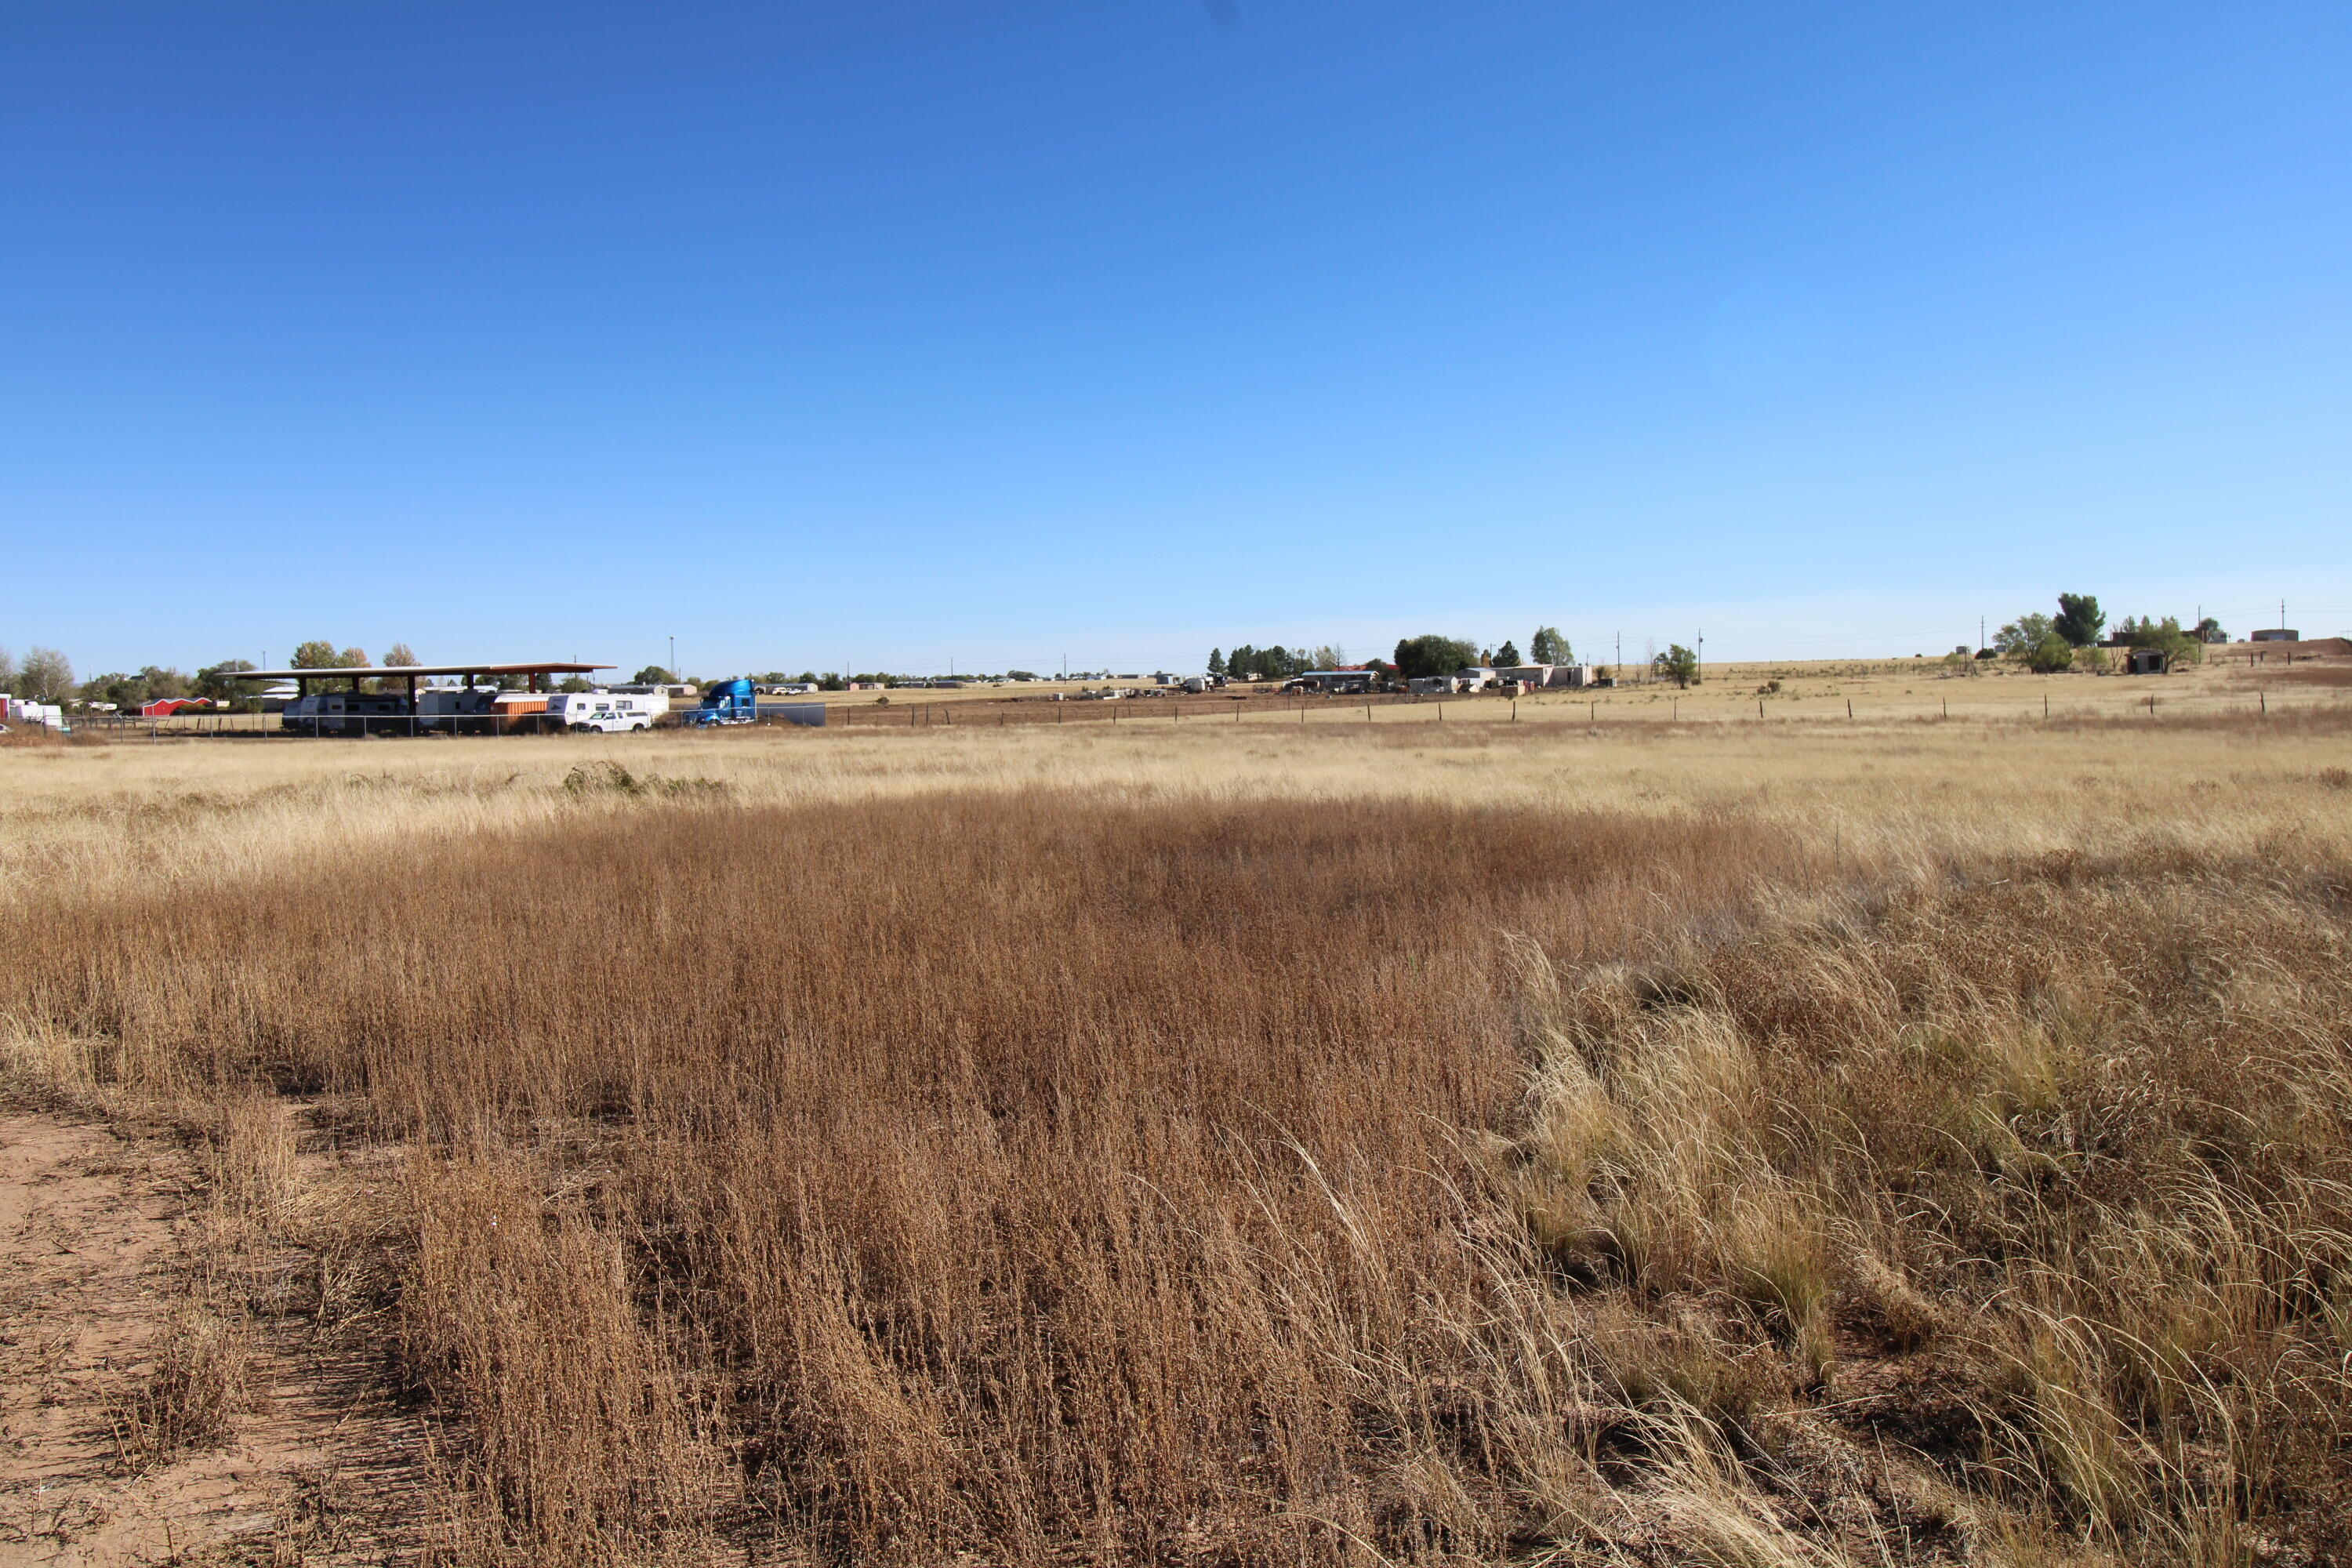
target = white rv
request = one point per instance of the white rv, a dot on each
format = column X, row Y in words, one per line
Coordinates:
column 25, row 711
column 603, row 713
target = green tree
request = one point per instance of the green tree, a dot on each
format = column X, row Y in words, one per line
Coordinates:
column 2051, row 655
column 216, row 681
column 2210, row 630
column 1216, row 661
column 2021, row 635
column 400, row 657
column 316, row 654
column 2079, row 618
column 1678, row 664
column 1274, row 663
column 115, row 687
column 574, row 683
column 653, row 675
column 8, row 672
column 45, row 676
column 1548, row 646
column 1430, row 655
column 156, row 680
column 1508, row 655
column 2166, row 637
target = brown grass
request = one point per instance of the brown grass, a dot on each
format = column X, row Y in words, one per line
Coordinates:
column 187, row 1399
column 1777, row 1168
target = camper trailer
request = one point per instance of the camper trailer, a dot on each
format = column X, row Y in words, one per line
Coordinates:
column 461, row 711
column 604, row 712
column 349, row 713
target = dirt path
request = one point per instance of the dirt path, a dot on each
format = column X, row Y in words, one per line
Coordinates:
column 97, row 1239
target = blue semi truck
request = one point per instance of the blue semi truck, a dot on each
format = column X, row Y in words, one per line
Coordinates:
column 726, row 703
column 738, row 702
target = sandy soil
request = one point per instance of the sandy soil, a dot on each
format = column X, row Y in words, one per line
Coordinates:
column 95, row 1232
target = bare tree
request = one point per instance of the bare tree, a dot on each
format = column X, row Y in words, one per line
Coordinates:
column 46, row 676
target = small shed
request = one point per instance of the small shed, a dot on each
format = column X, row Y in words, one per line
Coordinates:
column 2148, row 661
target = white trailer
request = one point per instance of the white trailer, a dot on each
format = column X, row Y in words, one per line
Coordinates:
column 604, row 713
column 25, row 711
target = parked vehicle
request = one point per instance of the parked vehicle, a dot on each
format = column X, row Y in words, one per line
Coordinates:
column 727, row 702
column 602, row 713
column 464, row 709
column 25, row 711
column 349, row 713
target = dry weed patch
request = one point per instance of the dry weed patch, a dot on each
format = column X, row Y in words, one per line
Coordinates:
column 1138, row 1175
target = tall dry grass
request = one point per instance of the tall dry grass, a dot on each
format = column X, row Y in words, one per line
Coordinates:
column 993, row 1176
column 1346, row 1152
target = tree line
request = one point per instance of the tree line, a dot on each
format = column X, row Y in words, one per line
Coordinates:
column 46, row 675
column 1430, row 655
column 2070, row 638
column 2044, row 642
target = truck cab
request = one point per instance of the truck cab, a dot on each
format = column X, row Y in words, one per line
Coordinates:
column 727, row 702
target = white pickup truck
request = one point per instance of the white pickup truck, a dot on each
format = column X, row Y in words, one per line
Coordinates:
column 603, row 713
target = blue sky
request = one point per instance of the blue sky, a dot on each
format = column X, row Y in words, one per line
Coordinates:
column 894, row 333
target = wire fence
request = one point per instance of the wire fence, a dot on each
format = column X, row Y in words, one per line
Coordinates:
column 1963, row 700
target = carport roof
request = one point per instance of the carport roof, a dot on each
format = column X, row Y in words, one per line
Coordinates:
column 533, row 667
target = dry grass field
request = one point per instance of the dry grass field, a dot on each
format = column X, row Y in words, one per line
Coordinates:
column 1879, row 1141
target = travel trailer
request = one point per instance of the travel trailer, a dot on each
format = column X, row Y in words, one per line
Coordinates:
column 604, row 712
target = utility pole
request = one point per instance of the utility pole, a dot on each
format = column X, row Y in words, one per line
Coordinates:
column 673, row 656
column 1981, row 621
column 1700, row 654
